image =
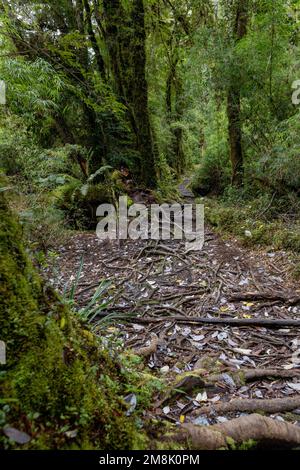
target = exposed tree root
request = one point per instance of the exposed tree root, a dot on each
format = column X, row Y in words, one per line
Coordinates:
column 249, row 375
column 254, row 374
column 274, row 405
column 264, row 431
column 269, row 296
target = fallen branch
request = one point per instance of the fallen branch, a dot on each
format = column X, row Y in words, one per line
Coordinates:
column 269, row 323
column 257, row 296
column 260, row 429
column 275, row 405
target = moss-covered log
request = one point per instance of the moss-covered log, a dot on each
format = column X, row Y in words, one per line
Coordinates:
column 58, row 385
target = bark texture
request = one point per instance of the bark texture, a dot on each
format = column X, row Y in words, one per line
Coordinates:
column 126, row 40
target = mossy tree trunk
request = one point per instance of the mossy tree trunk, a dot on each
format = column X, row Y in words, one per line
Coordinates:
column 57, row 377
column 175, row 112
column 178, row 132
column 234, row 100
column 175, row 103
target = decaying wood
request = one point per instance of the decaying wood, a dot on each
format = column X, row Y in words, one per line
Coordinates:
column 273, row 405
column 148, row 350
column 264, row 431
column 268, row 323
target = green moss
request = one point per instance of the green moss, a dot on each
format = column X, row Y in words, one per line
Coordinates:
column 57, row 379
column 80, row 201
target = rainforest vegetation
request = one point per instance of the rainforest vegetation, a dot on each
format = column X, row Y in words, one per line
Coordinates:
column 103, row 98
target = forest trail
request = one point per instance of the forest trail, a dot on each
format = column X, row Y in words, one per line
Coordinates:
column 223, row 281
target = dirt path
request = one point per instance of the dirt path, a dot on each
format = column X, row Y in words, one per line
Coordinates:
column 155, row 279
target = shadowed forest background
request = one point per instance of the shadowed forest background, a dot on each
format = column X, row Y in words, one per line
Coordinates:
column 131, row 97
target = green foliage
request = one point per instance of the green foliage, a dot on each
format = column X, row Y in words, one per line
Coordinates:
column 21, row 156
column 41, row 222
column 245, row 221
column 213, row 174
column 58, row 377
column 280, row 165
column 34, row 93
column 246, row 445
column 143, row 384
column 42, row 225
column 166, row 183
column 16, row 147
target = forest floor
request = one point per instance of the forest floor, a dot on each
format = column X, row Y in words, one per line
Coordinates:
column 155, row 280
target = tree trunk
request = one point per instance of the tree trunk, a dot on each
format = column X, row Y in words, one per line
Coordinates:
column 93, row 39
column 175, row 111
column 140, row 95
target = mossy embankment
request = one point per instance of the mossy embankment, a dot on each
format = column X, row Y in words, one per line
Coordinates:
column 59, row 386
column 249, row 224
